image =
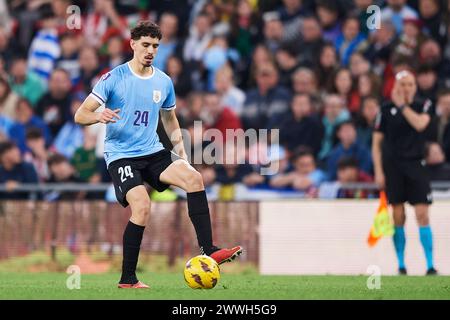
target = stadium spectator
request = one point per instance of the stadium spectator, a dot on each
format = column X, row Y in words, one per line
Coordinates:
column 335, row 113
column 180, row 75
column 115, row 51
column 362, row 13
column 427, row 83
column 70, row 46
column 397, row 11
column 305, row 176
column 368, row 84
column 287, row 63
column 8, row 48
column 435, row 158
column 218, row 116
column 366, row 120
column 301, row 126
column 327, row 64
column 14, row 171
column 230, row 95
column 84, row 159
column 44, row 49
column 344, row 87
column 273, row 31
column 348, row 172
column 25, row 120
column 409, row 41
column 431, row 54
column 217, row 56
column 328, row 14
column 266, row 104
column 8, row 100
column 70, row 136
column 432, row 14
column 234, row 170
column 200, row 37
column 6, row 125
column 350, row 40
column 348, row 146
column 261, row 55
column 381, row 44
column 290, row 14
column 25, row 83
column 168, row 23
column 61, row 171
column 358, row 65
column 304, row 81
column 277, row 162
column 245, row 25
column 90, row 69
column 38, row 154
column 54, row 106
column 311, row 40
column 100, row 18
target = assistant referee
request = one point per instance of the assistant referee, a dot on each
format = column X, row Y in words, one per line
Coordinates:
column 398, row 147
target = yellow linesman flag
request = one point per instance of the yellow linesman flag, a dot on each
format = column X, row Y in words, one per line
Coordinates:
column 382, row 224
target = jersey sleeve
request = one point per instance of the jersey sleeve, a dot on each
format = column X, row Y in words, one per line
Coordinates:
column 169, row 103
column 428, row 107
column 103, row 88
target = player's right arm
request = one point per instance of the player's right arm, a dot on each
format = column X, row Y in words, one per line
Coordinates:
column 86, row 114
column 377, row 156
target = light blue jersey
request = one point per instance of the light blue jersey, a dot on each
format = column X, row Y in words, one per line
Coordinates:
column 139, row 100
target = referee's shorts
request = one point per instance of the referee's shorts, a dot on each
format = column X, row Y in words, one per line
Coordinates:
column 407, row 181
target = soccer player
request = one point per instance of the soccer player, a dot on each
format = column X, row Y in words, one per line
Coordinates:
column 134, row 93
column 398, row 154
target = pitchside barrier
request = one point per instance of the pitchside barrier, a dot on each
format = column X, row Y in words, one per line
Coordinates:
column 284, row 236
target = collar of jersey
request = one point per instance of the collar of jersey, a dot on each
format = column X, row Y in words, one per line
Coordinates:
column 141, row 77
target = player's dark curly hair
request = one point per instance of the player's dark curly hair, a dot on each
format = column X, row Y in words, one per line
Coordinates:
column 144, row 29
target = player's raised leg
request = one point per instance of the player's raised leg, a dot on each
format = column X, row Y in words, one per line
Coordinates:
column 399, row 235
column 426, row 236
column 139, row 202
column 180, row 173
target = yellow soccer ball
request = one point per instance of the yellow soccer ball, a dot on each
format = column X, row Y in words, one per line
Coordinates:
column 201, row 272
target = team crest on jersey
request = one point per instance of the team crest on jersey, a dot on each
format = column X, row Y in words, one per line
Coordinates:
column 156, row 96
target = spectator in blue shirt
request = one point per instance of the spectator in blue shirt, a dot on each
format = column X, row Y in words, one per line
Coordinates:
column 25, row 120
column 13, row 170
column 348, row 146
column 350, row 40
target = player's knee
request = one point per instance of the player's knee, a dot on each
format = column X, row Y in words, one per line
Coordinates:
column 194, row 181
column 422, row 218
column 141, row 208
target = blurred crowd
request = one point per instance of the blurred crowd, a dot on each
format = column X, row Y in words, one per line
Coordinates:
column 317, row 70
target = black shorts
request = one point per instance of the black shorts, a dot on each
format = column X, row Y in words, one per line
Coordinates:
column 407, row 181
column 128, row 173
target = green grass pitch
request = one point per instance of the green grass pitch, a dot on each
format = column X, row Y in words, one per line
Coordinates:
column 170, row 286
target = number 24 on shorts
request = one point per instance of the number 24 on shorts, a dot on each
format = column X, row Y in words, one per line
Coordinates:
column 125, row 172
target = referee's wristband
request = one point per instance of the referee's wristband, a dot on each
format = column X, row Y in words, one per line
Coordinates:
column 402, row 107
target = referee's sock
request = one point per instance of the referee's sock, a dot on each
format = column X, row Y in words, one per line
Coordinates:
column 426, row 238
column 199, row 213
column 132, row 238
column 399, row 244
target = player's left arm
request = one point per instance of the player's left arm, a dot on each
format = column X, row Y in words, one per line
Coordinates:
column 172, row 128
